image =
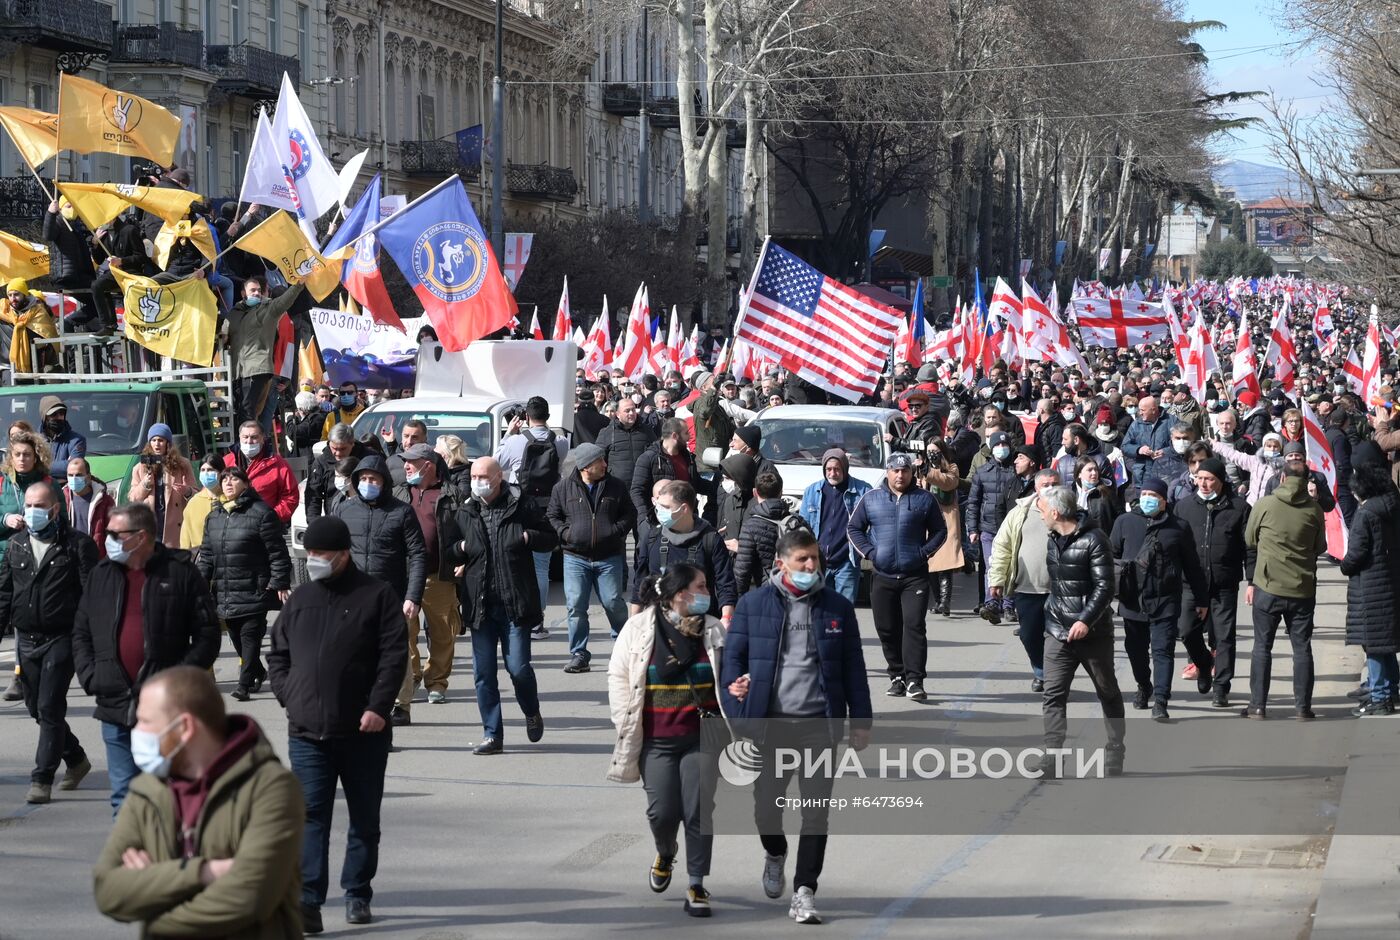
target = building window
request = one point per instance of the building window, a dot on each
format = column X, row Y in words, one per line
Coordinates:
column 163, row 14
column 39, row 97
column 211, row 155
column 235, row 20
column 339, row 92
column 211, row 23
column 237, row 153
column 361, row 90
column 274, row 26
column 304, row 37
column 391, row 127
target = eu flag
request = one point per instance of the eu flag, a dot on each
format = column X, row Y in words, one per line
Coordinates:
column 469, row 145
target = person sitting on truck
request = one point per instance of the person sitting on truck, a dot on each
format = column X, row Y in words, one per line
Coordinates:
column 267, row 471
column 164, row 480
column 320, row 479
column 65, row 442
column 87, row 502
column 24, row 317
column 198, row 508
column 347, row 408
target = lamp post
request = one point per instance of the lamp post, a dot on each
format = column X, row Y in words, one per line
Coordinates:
column 498, row 136
column 644, row 145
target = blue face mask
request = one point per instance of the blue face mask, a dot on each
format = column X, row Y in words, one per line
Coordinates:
column 347, row 401
column 1151, row 505
column 699, row 604
column 413, row 479
column 252, row 301
column 76, row 482
column 208, row 478
column 665, row 517
column 1132, row 411
column 328, row 406
column 115, row 551
column 805, row 580
column 368, row 490
column 36, row 518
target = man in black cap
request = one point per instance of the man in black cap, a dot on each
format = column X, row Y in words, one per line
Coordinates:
column 339, row 651
column 1295, row 455
column 746, row 440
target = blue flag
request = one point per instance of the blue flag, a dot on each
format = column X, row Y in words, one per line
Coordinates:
column 916, row 330
column 469, row 145
column 360, row 274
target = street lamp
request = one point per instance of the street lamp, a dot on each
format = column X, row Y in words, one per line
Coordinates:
column 498, row 138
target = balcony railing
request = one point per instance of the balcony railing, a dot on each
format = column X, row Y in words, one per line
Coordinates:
column 250, row 71
column 541, row 181
column 436, row 158
column 22, row 198
column 664, row 112
column 166, row 44
column 624, row 100
column 61, row 25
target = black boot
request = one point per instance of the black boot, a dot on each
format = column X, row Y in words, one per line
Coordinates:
column 945, row 593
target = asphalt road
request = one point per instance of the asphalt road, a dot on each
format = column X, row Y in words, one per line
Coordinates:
column 535, row 843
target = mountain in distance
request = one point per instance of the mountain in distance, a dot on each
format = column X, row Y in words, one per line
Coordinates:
column 1254, row 182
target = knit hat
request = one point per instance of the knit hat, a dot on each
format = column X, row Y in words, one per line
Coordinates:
column 742, row 469
column 160, row 430
column 1248, row 398
column 326, row 534
column 928, row 372
column 1104, row 415
column 1214, row 466
column 1155, row 485
column 1294, row 447
column 17, row 284
column 751, row 435
column 49, row 404
column 998, row 437
column 587, row 454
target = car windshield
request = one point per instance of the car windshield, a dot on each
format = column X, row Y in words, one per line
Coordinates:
column 804, row 440
column 111, row 421
column 473, row 427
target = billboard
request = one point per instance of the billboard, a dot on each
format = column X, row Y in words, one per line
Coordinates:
column 1280, row 228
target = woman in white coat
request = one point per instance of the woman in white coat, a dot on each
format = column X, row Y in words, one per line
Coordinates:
column 661, row 686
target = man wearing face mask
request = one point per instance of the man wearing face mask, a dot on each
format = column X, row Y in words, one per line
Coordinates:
column 739, row 471
column 64, row 442
column 145, row 608
column 207, row 846
column 42, row 576
column 995, row 489
column 347, row 408
column 681, row 535
column 338, row 655
column 1147, row 441
column 386, row 543
column 827, row 505
column 252, row 333
column 1155, row 557
column 1049, row 431
column 320, row 480
column 87, row 502
column 494, row 566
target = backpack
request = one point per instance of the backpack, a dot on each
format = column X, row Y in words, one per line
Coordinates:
column 539, row 468
column 792, row 522
column 695, row 554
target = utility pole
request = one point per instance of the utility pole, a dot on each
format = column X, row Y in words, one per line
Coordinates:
column 644, row 145
column 498, row 140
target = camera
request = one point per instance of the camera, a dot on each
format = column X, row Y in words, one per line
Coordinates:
column 512, row 413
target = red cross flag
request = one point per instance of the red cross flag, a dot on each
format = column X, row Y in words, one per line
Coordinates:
column 1281, row 352
column 1118, row 324
column 1352, row 370
column 1321, row 460
column 1371, row 363
column 1244, row 367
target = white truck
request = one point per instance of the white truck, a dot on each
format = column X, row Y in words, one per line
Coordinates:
column 796, row 436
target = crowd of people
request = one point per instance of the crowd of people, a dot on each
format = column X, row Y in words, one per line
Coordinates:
column 731, row 602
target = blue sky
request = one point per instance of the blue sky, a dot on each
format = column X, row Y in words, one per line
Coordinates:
column 1286, row 72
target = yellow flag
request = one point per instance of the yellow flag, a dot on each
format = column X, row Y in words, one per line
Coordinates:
column 280, row 240
column 93, row 118
column 99, row 203
column 197, row 232
column 176, row 320
column 35, row 133
column 20, row 258
column 309, row 364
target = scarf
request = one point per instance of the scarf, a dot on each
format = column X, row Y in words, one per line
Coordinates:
column 684, row 640
column 34, row 318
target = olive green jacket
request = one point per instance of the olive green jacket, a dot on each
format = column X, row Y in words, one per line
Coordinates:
column 1285, row 534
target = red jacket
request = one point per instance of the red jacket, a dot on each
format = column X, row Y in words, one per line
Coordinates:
column 274, row 481
column 98, row 510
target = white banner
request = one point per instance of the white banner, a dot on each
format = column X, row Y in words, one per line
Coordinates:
column 359, row 335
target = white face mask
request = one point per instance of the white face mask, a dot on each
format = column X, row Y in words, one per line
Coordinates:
column 1179, row 445
column 341, row 482
column 145, row 751
column 319, row 569
column 729, row 485
column 250, row 450
column 481, row 489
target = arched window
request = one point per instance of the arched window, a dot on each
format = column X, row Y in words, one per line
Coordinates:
column 406, row 108
column 361, row 92
column 391, row 126
column 338, row 118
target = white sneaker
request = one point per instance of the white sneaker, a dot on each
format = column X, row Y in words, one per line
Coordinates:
column 437, row 698
column 804, row 907
column 774, row 879
column 540, row 633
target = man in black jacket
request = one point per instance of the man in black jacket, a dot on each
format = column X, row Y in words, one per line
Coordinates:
column 338, row 654
column 667, row 459
column 145, row 607
column 126, row 252
column 320, row 479
column 1217, row 518
column 495, row 569
column 681, row 535
column 592, row 512
column 70, row 248
column 624, row 441
column 386, row 541
column 758, row 536
column 41, row 579
column 1078, row 625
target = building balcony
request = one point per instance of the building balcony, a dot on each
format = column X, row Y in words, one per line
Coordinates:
column 83, row 26
column 541, row 181
column 165, row 44
column 437, row 158
column 664, row 113
column 622, row 99
column 250, row 71
column 22, row 199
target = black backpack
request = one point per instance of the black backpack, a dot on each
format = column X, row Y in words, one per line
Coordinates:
column 539, row 468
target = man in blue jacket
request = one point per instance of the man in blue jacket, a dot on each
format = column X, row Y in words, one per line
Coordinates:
column 827, row 506
column 795, row 672
column 899, row 527
column 1149, row 438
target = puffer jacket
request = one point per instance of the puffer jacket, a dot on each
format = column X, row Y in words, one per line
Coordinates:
column 654, row 465
column 591, row 529
column 623, row 447
column 1081, row 582
column 1285, row 534
column 898, row 533
column 1218, row 530
column 1157, row 436
column 995, row 489
column 1372, row 565
column 1065, row 462
column 386, row 540
column 65, row 445
column 254, row 814
column 524, row 530
column 627, row 686
column 70, row 252
column 1162, row 551
column 758, row 541
column 701, row 546
column 43, row 598
column 243, row 556
column 320, row 480
column 1101, row 506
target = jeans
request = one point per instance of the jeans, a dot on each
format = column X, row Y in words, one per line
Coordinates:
column 121, row 767
column 46, row 670
column 1030, row 616
column 247, row 635
column 255, row 400
column 899, row 606
column 1161, row 636
column 582, row 578
column 1062, row 661
column 814, row 789
column 358, row 762
column 496, row 630
column 845, row 580
column 679, row 778
column 1297, row 616
column 223, row 285
column 1220, row 627
column 1383, row 670
column 542, row 576
column 1006, row 601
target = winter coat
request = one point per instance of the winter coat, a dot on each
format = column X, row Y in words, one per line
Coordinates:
column 100, row 507
column 811, row 509
column 623, row 447
column 740, row 471
column 320, row 480
column 244, row 556
column 339, row 649
column 1064, row 463
column 943, row 484
column 627, row 686
column 43, row 598
column 386, row 540
column 713, row 425
column 180, row 484
column 1080, row 566
column 758, row 542
column 1049, row 434
column 1006, row 547
column 1341, row 456
column 304, row 431
column 524, row 530
column 196, row 517
column 995, row 489
column 588, row 424
column 964, row 443
column 701, row 547
column 1285, row 534
column 65, row 445
column 124, row 243
column 898, row 533
column 252, row 333
column 254, row 814
column 1261, row 470
column 1157, row 436
column 1389, row 440
column 1218, row 530
column 179, row 627
column 753, row 646
column 1255, row 424
column 1161, row 552
column 70, row 252
column 591, row 529
column 1102, row 506
column 1372, row 566
column 654, row 465
column 273, row 479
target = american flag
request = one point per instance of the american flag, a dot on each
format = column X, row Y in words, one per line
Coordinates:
column 827, row 333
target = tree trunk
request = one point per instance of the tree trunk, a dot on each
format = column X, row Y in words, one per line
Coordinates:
column 753, row 180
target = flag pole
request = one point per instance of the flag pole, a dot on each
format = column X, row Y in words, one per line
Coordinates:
column 748, row 297
column 454, row 178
